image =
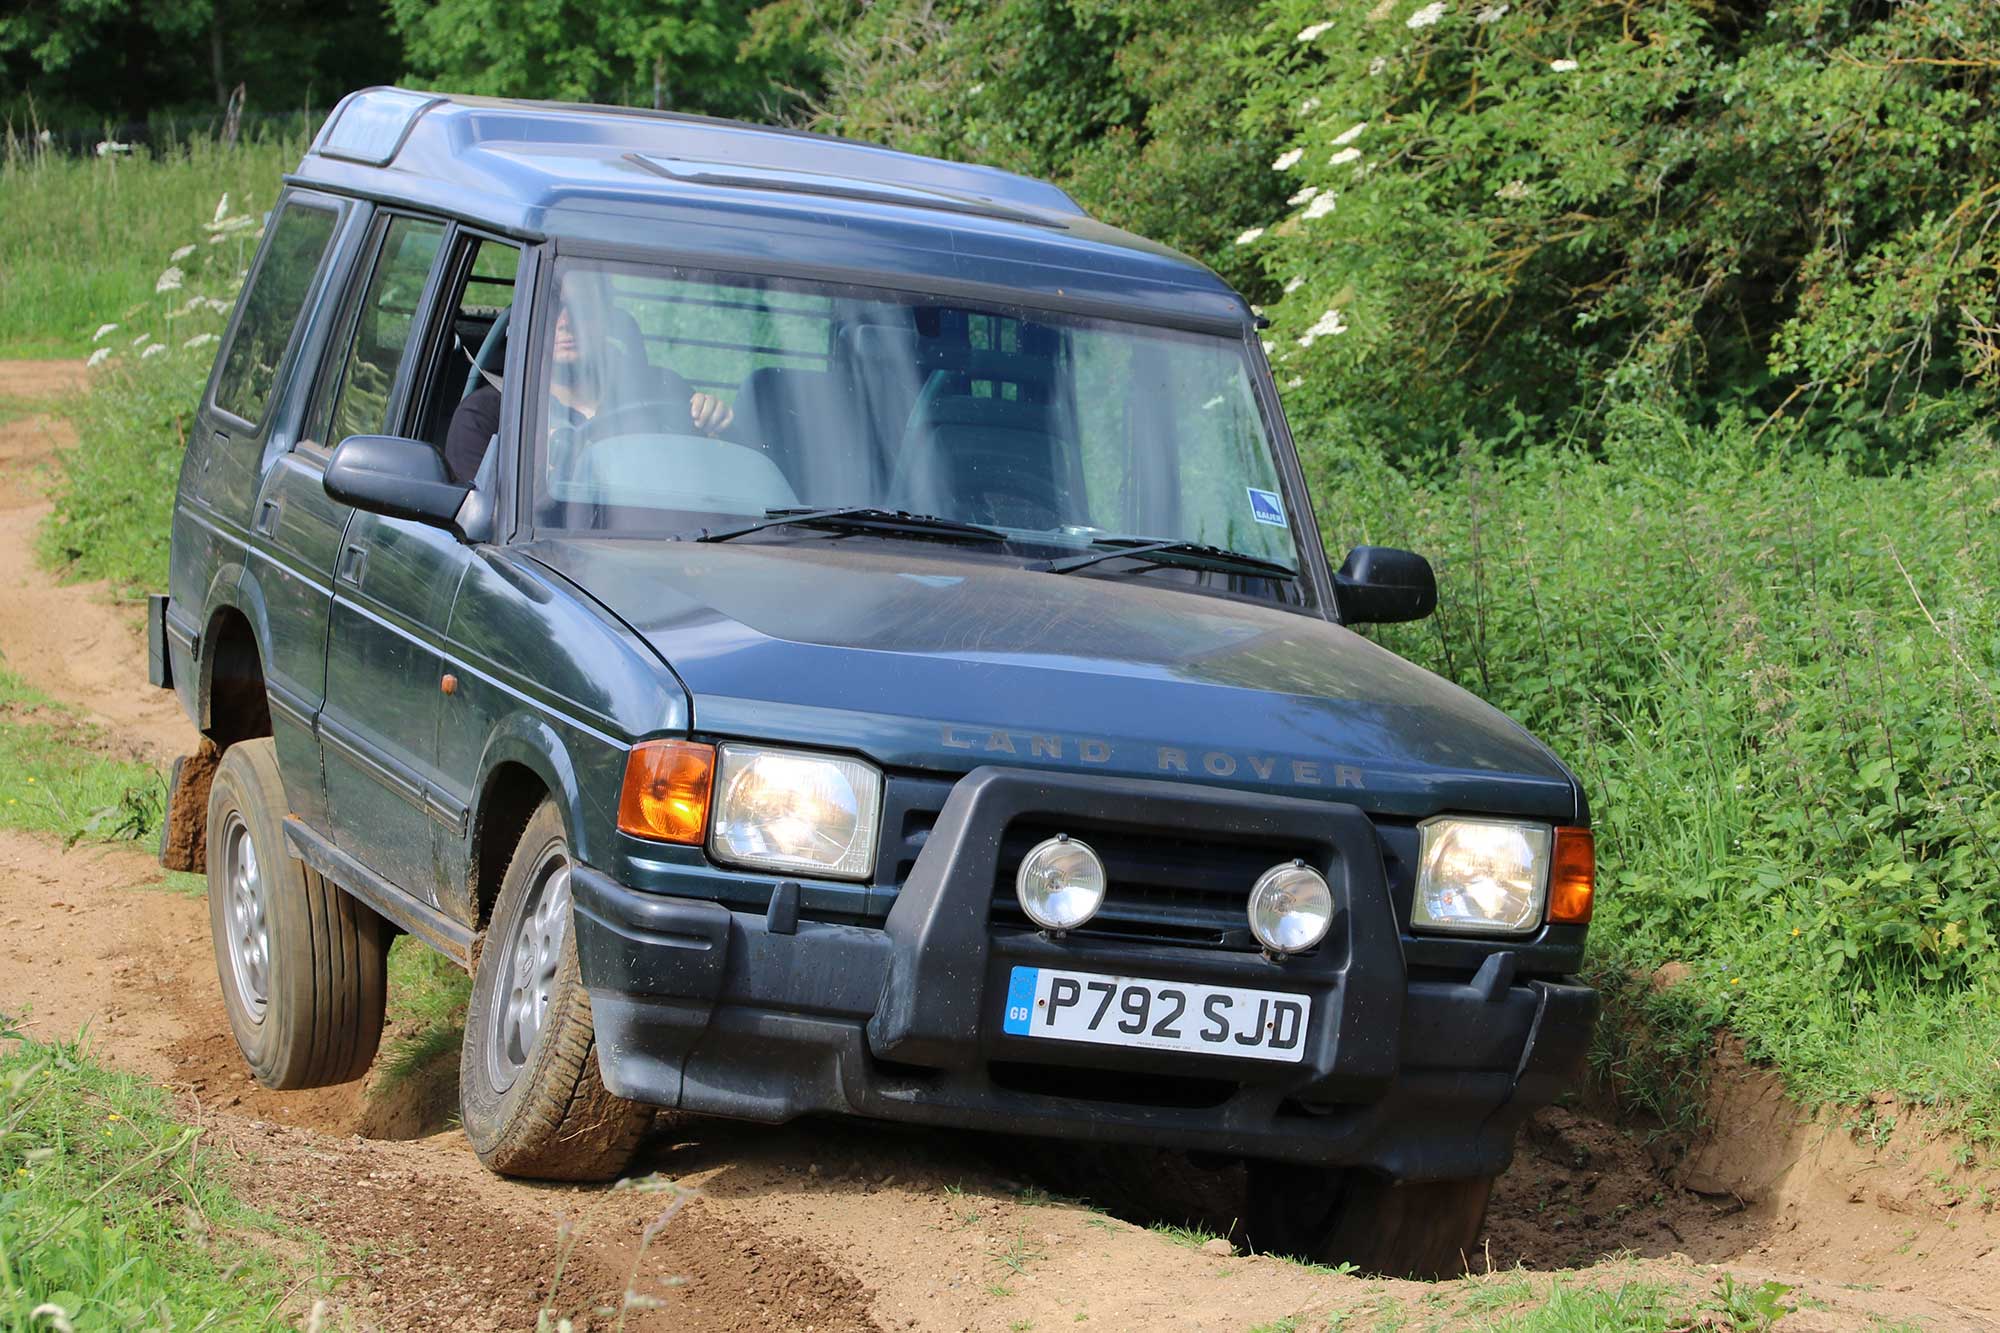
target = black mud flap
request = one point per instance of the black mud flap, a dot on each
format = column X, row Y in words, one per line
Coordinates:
column 159, row 662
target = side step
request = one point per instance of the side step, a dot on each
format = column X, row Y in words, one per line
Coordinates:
column 451, row 938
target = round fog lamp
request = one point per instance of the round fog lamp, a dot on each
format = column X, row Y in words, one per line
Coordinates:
column 1290, row 908
column 1060, row 883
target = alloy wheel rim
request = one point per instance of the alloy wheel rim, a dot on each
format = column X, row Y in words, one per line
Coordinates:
column 245, row 911
column 527, row 981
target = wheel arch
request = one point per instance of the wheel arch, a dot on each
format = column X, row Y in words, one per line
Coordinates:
column 526, row 761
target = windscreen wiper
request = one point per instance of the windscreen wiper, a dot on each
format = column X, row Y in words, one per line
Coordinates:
column 861, row 518
column 1185, row 555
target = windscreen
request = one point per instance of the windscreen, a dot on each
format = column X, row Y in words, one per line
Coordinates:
column 677, row 399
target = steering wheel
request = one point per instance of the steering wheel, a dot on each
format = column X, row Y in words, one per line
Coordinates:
column 648, row 416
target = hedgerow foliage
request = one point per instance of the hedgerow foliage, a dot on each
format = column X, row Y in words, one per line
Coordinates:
column 1514, row 218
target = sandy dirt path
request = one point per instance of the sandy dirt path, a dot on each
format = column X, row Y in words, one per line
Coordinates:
column 836, row 1226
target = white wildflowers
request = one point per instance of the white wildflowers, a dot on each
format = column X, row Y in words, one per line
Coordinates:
column 1425, row 17
column 1326, row 326
column 170, row 281
column 1310, row 105
column 1287, row 160
column 1303, row 195
column 1295, row 284
column 221, row 210
column 142, row 340
column 1320, row 206
column 199, row 340
column 97, row 358
column 1377, row 65
column 1309, row 34
column 1249, row 236
column 1562, row 66
column 1295, row 381
column 1343, row 157
column 107, row 147
column 180, row 254
column 102, row 330
column 156, row 349
column 1348, row 136
column 1269, row 347
column 1490, row 15
column 1513, row 190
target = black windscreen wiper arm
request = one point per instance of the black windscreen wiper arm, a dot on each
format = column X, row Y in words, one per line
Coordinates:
column 861, row 518
column 1187, row 555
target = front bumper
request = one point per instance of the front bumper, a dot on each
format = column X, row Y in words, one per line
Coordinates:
column 764, row 1016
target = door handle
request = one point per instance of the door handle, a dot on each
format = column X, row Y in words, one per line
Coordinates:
column 353, row 564
column 268, row 514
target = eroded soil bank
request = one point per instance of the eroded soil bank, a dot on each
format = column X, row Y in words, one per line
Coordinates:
column 836, row 1226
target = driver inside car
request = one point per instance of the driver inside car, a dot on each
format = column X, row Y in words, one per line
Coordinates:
column 592, row 367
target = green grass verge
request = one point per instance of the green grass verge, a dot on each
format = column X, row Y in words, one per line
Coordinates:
column 427, row 999
column 52, row 782
column 112, row 1215
column 1780, row 683
column 85, row 241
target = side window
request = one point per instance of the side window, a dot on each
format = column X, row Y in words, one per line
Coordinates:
column 382, row 327
column 460, row 411
column 299, row 241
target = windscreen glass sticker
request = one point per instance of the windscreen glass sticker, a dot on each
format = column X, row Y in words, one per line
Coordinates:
column 1265, row 507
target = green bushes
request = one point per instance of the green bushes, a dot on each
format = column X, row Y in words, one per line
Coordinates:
column 1776, row 679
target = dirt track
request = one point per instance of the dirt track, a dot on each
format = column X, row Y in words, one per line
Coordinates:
column 837, row 1226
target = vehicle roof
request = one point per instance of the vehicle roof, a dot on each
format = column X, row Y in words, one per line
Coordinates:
column 739, row 195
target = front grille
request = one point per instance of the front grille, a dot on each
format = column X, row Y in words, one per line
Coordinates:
column 1163, row 889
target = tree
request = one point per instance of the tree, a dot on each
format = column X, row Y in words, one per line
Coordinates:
column 682, row 55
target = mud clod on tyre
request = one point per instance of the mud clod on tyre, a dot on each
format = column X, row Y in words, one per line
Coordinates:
column 303, row 965
column 530, row 1095
column 1420, row 1229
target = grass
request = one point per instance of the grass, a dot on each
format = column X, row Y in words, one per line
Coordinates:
column 52, row 782
column 84, row 241
column 1780, row 683
column 428, row 994
column 112, row 1214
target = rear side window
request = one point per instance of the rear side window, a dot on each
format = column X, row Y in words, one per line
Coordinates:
column 299, row 241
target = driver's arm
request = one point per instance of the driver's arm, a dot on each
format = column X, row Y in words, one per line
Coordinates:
column 473, row 423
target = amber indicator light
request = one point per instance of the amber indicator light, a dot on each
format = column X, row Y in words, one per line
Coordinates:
column 1573, row 876
column 667, row 785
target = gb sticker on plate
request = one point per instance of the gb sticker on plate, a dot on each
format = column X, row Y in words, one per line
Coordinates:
column 1266, row 507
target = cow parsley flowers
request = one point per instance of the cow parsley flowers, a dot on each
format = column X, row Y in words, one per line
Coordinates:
column 1425, row 17
column 1310, row 33
column 1287, row 160
column 1326, row 326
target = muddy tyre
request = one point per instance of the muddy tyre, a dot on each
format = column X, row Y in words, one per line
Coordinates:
column 303, row 965
column 530, row 1094
column 1423, row 1229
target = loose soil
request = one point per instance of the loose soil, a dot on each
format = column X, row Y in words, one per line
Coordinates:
column 847, row 1226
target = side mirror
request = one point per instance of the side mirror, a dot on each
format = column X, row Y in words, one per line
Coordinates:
column 385, row 474
column 1380, row 585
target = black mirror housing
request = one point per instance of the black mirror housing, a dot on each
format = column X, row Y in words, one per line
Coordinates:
column 386, row 474
column 1380, row 585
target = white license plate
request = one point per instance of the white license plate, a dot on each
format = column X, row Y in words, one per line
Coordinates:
column 1158, row 1015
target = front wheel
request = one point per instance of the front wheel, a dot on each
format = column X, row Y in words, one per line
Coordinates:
column 1421, row 1229
column 530, row 1094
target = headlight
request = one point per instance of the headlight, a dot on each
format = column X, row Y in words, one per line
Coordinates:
column 783, row 810
column 1290, row 908
column 1481, row 876
column 1060, row 884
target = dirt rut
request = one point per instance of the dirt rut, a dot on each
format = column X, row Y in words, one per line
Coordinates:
column 837, row 1226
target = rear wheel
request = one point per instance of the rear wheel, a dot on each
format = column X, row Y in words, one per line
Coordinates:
column 530, row 1094
column 1422, row 1229
column 303, row 965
